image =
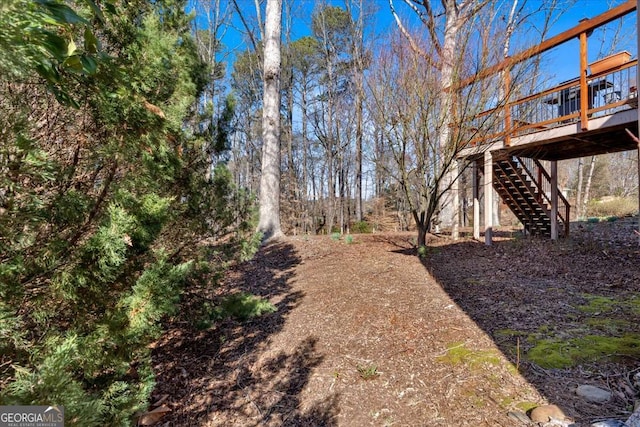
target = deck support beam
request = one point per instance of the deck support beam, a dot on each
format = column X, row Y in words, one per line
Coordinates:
column 488, row 198
column 554, row 200
column 476, row 200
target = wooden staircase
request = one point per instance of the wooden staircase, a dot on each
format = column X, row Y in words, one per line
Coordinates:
column 525, row 186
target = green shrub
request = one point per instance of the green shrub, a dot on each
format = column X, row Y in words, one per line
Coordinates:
column 362, row 227
column 348, row 239
column 103, row 222
column 244, row 306
column 335, row 236
column 613, row 207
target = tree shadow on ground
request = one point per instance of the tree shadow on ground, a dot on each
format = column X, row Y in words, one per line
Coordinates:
column 224, row 375
column 521, row 291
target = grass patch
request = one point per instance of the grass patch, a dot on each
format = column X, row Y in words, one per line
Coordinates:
column 556, row 353
column 335, row 236
column 458, row 353
column 348, row 239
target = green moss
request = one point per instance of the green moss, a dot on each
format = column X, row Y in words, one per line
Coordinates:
column 551, row 354
column 598, row 304
column 609, row 326
column 458, row 354
column 634, row 305
column 526, row 406
column 602, row 304
column 544, row 329
column 506, row 402
column 555, row 353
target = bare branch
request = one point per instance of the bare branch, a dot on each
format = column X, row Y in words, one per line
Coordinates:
column 414, row 46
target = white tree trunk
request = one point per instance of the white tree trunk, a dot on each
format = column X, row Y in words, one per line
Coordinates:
column 448, row 212
column 269, row 223
column 579, row 213
column 587, row 188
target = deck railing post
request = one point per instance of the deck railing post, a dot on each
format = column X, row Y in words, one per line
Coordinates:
column 584, row 88
column 507, row 107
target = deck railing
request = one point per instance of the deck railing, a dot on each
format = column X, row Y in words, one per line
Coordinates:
column 542, row 181
column 606, row 93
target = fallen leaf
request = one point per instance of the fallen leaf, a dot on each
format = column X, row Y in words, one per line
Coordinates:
column 152, row 417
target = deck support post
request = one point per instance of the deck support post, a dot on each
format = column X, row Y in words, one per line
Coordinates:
column 476, row 200
column 638, row 86
column 455, row 208
column 584, row 89
column 554, row 200
column 488, row 198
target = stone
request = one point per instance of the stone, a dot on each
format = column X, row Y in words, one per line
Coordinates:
column 545, row 413
column 593, row 394
column 519, row 416
column 634, row 419
column 609, row 423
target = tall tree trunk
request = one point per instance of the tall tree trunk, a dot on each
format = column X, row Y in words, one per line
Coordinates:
column 448, row 210
column 358, row 47
column 304, row 192
column 269, row 223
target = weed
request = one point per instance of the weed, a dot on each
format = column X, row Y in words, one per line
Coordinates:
column 348, row 239
column 422, row 251
column 593, row 220
column 335, row 236
column 368, row 372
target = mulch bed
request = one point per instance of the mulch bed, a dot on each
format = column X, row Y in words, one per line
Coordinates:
column 367, row 333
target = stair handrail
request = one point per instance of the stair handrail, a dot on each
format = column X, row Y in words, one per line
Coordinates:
column 529, row 165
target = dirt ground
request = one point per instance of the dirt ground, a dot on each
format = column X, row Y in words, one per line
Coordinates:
column 366, row 333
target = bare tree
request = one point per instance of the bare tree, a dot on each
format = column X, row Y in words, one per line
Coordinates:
column 269, row 223
column 407, row 109
column 444, row 39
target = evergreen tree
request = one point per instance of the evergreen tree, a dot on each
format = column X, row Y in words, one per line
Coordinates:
column 105, row 195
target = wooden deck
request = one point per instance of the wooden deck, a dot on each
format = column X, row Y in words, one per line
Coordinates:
column 585, row 116
column 605, row 134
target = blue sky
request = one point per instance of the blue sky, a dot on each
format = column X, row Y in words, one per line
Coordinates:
column 560, row 61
